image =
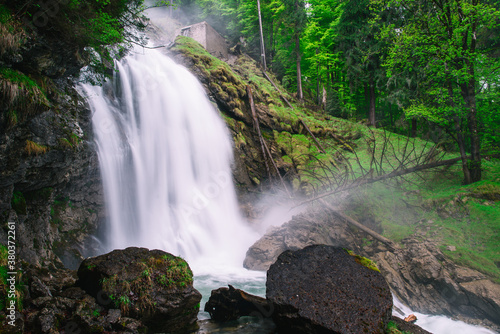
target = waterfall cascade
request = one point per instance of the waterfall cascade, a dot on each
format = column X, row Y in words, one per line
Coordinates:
column 165, row 157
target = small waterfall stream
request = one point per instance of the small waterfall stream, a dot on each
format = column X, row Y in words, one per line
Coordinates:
column 165, row 157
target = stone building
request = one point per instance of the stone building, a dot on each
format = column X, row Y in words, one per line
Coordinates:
column 211, row 40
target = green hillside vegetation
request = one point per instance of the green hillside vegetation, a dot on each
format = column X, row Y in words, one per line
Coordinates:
column 432, row 204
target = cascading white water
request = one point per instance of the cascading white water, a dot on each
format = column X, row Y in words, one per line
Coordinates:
column 165, row 157
column 437, row 324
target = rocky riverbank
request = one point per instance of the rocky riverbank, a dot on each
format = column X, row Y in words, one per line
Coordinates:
column 417, row 273
column 125, row 291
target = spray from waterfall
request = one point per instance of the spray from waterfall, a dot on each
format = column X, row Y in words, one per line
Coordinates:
column 165, row 157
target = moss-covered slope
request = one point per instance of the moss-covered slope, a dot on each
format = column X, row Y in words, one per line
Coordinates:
column 462, row 220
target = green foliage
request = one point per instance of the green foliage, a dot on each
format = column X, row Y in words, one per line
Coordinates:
column 18, row 203
column 392, row 328
column 19, row 286
column 4, row 14
column 363, row 261
column 20, row 93
column 90, row 28
column 437, row 47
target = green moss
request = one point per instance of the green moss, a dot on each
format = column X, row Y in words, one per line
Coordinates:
column 488, row 191
column 12, row 118
column 21, row 93
column 5, row 296
column 392, row 328
column 240, row 140
column 169, row 271
column 18, row 203
column 74, row 139
column 33, row 148
column 363, row 261
column 65, row 143
column 19, row 78
column 231, row 122
column 56, row 209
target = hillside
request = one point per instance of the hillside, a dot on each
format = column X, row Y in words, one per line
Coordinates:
column 431, row 204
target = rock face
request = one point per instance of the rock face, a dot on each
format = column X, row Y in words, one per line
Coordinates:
column 311, row 228
column 322, row 289
column 54, row 195
column 154, row 287
column 424, row 279
column 49, row 180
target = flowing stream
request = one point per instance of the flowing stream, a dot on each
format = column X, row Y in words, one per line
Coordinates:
column 165, row 156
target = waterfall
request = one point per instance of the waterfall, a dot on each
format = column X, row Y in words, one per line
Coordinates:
column 165, row 156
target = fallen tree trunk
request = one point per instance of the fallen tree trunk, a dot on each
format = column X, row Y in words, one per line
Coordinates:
column 229, row 304
column 392, row 246
column 276, row 87
column 265, row 148
column 322, row 150
column 257, row 127
column 394, row 173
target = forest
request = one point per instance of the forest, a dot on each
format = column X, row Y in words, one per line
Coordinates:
column 423, row 68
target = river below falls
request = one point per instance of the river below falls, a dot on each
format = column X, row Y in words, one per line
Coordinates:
column 254, row 282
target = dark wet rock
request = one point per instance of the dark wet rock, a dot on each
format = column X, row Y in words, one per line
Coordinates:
column 154, row 287
column 60, row 188
column 113, row 316
column 14, row 325
column 48, row 320
column 230, row 304
column 47, row 283
column 133, row 326
column 244, row 325
column 38, row 289
column 322, row 289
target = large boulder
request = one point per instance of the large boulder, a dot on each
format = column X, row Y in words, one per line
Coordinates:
column 154, row 287
column 323, row 289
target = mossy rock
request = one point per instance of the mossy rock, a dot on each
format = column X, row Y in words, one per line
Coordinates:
column 154, row 287
column 487, row 191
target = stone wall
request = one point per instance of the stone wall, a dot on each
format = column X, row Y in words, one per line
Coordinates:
column 211, row 40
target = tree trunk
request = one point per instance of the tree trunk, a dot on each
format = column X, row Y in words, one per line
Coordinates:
column 262, row 49
column 460, row 137
column 469, row 96
column 371, row 111
column 475, row 163
column 300, row 94
column 413, row 127
column 317, row 81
